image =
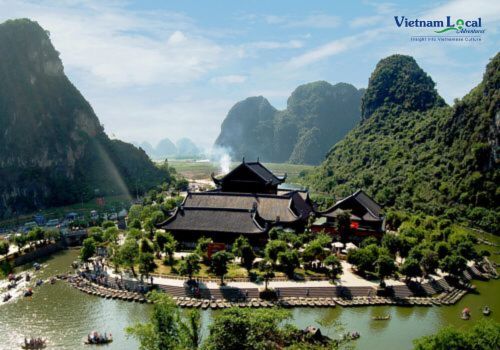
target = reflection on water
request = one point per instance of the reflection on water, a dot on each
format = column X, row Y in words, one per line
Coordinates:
column 65, row 316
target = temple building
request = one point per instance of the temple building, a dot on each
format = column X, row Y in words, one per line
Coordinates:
column 365, row 216
column 247, row 201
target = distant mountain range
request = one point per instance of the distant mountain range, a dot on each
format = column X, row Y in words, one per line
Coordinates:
column 53, row 150
column 411, row 151
column 183, row 148
column 317, row 116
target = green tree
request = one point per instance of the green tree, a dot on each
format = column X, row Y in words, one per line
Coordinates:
column 363, row 259
column 442, row 249
column 190, row 265
column 88, row 249
column 429, row 262
column 4, row 247
column 485, row 335
column 129, row 253
column 411, row 268
column 111, row 234
column 97, row 234
column 289, row 261
column 246, row 329
column 219, row 264
column 135, row 223
column 385, row 267
column 146, row 246
column 108, row 224
column 392, row 243
column 243, row 250
column 20, row 241
column 166, row 329
column 161, row 239
column 453, row 264
column 273, row 248
column 247, row 257
column 266, row 269
column 146, row 263
column 334, row 266
column 191, row 329
column 202, row 247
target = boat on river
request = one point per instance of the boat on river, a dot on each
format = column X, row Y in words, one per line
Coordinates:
column 486, row 311
column 6, row 297
column 381, row 318
column 34, row 343
column 28, row 292
column 95, row 338
column 465, row 314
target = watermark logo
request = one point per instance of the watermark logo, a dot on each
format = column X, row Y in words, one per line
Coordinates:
column 447, row 29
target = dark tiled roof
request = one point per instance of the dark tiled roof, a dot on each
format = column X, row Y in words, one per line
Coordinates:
column 258, row 169
column 372, row 211
column 264, row 173
column 368, row 203
column 269, row 207
column 214, row 220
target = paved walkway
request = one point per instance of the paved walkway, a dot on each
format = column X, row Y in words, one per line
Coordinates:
column 347, row 279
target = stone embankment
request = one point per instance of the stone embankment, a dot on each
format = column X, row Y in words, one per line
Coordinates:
column 436, row 292
column 106, row 292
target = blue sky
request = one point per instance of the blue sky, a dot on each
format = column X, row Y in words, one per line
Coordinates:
column 155, row 69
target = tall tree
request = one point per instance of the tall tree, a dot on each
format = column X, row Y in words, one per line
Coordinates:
column 88, row 249
column 385, row 267
column 333, row 265
column 220, row 261
column 166, row 329
column 190, row 265
column 129, row 253
column 289, row 261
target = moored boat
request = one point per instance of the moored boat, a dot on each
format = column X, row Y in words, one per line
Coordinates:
column 34, row 343
column 381, row 318
column 6, row 297
column 95, row 338
column 486, row 311
column 465, row 314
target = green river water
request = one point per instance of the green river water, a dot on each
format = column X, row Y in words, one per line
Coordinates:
column 65, row 315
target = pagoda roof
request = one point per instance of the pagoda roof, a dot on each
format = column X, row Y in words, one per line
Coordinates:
column 215, row 220
column 258, row 169
column 286, row 208
column 373, row 211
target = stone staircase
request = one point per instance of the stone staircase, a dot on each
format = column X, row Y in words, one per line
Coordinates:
column 226, row 293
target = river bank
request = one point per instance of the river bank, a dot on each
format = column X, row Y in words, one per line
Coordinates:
column 65, row 315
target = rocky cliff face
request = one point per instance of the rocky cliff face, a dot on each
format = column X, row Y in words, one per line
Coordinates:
column 317, row 116
column 51, row 138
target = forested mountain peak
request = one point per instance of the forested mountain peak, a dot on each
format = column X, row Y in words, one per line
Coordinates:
column 423, row 157
column 399, row 81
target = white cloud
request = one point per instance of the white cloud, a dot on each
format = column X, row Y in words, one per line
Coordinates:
column 366, row 21
column 271, row 45
column 310, row 21
column 229, row 79
column 489, row 10
column 123, row 48
column 333, row 48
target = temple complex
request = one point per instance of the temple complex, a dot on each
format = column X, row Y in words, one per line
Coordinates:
column 247, row 201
